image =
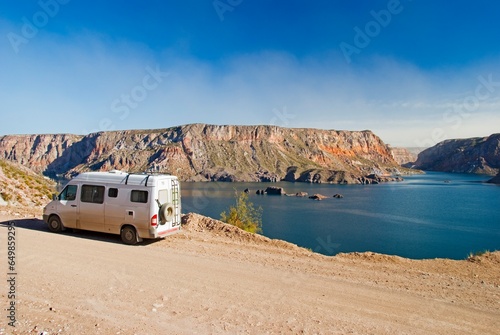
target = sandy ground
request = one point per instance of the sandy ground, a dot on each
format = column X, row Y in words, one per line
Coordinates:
column 215, row 279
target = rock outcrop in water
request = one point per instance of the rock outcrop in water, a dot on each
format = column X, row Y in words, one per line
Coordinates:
column 495, row 180
column 201, row 152
column 472, row 155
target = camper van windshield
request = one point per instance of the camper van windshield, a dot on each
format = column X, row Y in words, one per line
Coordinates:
column 69, row 193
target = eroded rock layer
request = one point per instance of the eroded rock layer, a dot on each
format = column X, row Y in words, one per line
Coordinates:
column 202, row 152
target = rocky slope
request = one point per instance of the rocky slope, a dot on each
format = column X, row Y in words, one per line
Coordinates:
column 472, row 155
column 405, row 155
column 36, row 151
column 402, row 155
column 210, row 152
column 21, row 186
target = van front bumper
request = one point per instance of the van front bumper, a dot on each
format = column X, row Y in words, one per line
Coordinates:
column 45, row 218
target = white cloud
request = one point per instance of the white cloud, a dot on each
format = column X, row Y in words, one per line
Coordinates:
column 69, row 85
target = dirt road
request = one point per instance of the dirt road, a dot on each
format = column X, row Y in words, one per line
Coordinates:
column 214, row 279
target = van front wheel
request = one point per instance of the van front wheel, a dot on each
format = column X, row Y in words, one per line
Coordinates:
column 128, row 235
column 55, row 224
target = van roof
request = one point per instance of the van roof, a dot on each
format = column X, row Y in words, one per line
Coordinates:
column 120, row 177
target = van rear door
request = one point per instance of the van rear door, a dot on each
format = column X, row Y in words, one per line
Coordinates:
column 169, row 219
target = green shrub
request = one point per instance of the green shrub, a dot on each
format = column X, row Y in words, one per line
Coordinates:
column 477, row 254
column 244, row 215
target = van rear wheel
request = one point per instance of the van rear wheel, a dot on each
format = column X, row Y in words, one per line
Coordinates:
column 128, row 235
column 55, row 224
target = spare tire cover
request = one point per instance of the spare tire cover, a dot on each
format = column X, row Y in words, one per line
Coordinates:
column 166, row 213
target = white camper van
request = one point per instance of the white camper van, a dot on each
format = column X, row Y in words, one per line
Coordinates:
column 136, row 206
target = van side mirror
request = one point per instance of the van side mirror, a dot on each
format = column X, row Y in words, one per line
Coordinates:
column 54, row 196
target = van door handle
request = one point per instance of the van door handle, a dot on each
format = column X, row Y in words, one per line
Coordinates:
column 73, row 205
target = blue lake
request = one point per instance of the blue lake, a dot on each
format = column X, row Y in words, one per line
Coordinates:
column 435, row 215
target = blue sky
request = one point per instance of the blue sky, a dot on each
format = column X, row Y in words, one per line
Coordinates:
column 414, row 72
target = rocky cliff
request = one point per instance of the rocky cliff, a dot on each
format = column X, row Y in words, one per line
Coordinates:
column 37, row 151
column 472, row 155
column 210, row 152
column 405, row 155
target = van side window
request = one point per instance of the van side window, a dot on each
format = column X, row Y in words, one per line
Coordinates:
column 93, row 194
column 139, row 196
column 113, row 192
column 69, row 193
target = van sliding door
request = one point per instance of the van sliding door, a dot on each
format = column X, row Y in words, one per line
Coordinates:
column 91, row 211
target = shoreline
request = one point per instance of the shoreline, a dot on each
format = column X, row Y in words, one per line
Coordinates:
column 28, row 213
column 215, row 278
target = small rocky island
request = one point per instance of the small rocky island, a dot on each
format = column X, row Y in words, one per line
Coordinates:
column 495, row 180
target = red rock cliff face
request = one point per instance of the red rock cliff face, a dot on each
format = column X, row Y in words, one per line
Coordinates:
column 403, row 155
column 210, row 152
column 35, row 151
column 471, row 155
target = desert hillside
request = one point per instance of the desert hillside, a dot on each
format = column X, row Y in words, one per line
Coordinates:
column 19, row 186
column 203, row 152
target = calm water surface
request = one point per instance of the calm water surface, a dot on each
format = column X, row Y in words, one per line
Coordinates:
column 426, row 216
